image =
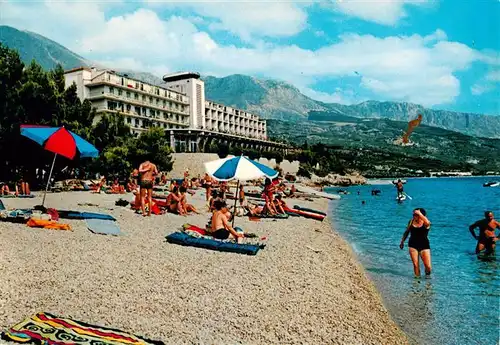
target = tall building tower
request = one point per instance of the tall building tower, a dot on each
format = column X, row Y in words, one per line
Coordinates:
column 190, row 84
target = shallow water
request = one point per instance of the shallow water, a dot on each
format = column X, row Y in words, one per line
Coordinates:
column 460, row 303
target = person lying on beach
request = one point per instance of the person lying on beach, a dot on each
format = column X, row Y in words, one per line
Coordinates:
column 174, row 202
column 185, row 206
column 117, row 188
column 220, row 227
column 254, row 210
column 418, row 229
column 486, row 241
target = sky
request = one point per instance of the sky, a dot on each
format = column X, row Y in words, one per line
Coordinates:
column 441, row 54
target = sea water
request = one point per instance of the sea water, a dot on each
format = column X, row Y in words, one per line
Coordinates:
column 460, row 302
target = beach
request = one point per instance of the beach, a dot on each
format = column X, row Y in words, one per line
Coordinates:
column 305, row 287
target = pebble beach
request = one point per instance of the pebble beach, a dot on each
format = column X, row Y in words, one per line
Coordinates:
column 305, row 287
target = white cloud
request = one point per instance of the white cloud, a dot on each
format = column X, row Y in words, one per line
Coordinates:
column 339, row 96
column 493, row 76
column 479, row 89
column 415, row 68
column 248, row 19
column 386, row 12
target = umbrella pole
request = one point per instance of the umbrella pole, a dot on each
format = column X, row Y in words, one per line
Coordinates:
column 48, row 181
column 235, row 201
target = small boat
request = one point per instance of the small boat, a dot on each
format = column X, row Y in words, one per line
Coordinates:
column 491, row 184
column 309, row 190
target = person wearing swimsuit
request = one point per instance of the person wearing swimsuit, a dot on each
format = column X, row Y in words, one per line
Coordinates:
column 220, row 228
column 419, row 246
column 486, row 241
column 147, row 171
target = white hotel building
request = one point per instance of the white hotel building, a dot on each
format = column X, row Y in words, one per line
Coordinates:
column 178, row 106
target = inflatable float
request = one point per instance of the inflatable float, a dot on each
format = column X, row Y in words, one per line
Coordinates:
column 184, row 239
column 305, row 214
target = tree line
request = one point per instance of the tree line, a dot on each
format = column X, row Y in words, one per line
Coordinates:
column 31, row 95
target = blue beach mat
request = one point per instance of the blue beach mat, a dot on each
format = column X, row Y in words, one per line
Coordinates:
column 17, row 196
column 184, row 239
column 83, row 215
column 103, row 226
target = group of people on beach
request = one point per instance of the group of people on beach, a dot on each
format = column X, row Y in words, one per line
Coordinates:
column 418, row 229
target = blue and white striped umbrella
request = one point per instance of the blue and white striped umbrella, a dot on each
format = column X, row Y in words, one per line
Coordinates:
column 238, row 168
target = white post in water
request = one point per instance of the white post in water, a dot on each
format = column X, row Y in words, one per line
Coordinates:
column 48, row 181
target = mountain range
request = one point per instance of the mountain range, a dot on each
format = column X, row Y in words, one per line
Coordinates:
column 270, row 99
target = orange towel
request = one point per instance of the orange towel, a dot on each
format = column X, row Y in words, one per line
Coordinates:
column 47, row 224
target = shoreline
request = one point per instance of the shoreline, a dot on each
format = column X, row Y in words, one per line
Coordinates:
column 306, row 285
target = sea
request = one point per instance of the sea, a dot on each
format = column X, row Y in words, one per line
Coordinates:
column 460, row 302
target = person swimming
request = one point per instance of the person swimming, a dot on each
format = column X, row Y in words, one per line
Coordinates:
column 486, row 241
column 419, row 246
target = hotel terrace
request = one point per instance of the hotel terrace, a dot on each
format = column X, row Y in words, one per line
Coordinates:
column 178, row 106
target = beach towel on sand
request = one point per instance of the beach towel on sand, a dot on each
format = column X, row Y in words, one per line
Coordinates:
column 103, row 226
column 83, row 215
column 44, row 328
column 47, row 224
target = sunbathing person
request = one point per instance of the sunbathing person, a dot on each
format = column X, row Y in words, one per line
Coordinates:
column 241, row 197
column 131, row 186
column 173, row 184
column 269, row 197
column 174, row 202
column 254, row 210
column 220, row 227
column 22, row 187
column 279, row 204
column 4, row 189
column 187, row 207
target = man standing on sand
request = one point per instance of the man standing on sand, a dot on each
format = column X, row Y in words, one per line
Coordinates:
column 486, row 239
column 148, row 171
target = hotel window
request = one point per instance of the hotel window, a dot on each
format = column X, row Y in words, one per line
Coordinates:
column 142, row 87
column 143, row 98
column 137, row 110
column 120, row 92
column 128, row 94
column 150, row 99
column 136, row 85
column 111, row 90
column 128, row 107
column 122, row 81
column 143, row 111
column 136, row 96
column 129, row 120
column 157, row 91
column 165, row 115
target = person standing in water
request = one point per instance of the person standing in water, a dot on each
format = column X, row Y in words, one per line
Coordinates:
column 419, row 246
column 486, row 239
column 148, row 171
column 399, row 187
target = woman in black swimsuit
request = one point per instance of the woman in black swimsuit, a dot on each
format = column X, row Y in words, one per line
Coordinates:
column 418, row 229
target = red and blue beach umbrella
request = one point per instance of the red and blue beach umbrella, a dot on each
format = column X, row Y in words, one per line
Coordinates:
column 60, row 141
